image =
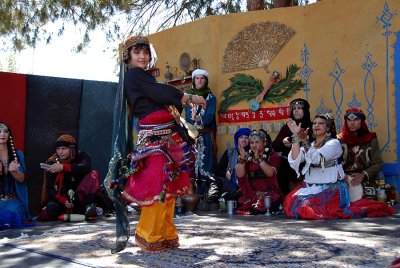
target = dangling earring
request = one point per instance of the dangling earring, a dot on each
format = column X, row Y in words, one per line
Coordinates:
column 13, row 148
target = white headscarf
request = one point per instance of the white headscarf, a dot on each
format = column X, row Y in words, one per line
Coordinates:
column 199, row 72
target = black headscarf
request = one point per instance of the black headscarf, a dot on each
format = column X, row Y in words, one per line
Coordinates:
column 306, row 120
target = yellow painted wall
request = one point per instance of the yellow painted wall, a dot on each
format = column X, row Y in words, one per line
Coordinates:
column 346, row 33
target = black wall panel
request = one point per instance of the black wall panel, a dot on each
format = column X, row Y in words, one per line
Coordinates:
column 95, row 122
column 52, row 109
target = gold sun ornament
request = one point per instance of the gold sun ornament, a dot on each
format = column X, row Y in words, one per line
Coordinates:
column 255, row 46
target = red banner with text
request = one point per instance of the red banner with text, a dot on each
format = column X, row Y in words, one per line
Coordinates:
column 248, row 115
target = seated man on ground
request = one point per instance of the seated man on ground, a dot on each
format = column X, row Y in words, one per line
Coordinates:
column 225, row 183
column 362, row 161
column 257, row 175
column 69, row 185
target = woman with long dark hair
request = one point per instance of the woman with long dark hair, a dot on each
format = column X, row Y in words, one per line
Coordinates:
column 324, row 193
column 159, row 171
column 13, row 190
column 300, row 113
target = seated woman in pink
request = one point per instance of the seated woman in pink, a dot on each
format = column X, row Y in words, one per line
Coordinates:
column 257, row 177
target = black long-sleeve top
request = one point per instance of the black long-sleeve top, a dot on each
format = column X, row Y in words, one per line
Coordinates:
column 73, row 174
column 146, row 96
column 278, row 145
column 222, row 165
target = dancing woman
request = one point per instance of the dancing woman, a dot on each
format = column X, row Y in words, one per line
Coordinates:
column 159, row 171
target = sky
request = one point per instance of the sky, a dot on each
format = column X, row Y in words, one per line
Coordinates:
column 58, row 60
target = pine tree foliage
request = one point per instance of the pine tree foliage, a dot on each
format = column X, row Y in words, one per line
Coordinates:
column 245, row 87
column 23, row 22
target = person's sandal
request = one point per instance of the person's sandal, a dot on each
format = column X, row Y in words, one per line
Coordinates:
column 173, row 243
column 91, row 211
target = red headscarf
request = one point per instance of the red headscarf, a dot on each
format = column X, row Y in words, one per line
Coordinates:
column 361, row 136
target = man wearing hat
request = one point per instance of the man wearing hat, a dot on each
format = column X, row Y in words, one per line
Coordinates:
column 203, row 118
column 62, row 179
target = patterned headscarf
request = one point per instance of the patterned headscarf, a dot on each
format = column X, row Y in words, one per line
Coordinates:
column 138, row 41
column 361, row 136
column 262, row 134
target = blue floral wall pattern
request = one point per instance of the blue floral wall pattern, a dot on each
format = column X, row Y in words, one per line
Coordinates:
column 369, row 90
column 337, row 93
column 322, row 109
column 354, row 103
column 305, row 71
column 386, row 20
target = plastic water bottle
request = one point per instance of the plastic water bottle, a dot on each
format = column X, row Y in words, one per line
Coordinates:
column 179, row 211
column 222, row 205
column 381, row 196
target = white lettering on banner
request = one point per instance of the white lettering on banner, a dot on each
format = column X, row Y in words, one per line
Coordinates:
column 271, row 113
column 247, row 115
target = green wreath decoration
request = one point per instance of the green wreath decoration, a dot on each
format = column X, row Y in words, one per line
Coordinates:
column 246, row 87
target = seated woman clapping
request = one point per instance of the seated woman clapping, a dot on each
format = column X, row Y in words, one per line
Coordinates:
column 323, row 194
column 257, row 177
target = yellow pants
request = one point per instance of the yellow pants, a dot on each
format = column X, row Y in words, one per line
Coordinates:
column 156, row 230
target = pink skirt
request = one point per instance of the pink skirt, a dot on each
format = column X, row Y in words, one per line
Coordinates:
column 163, row 168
